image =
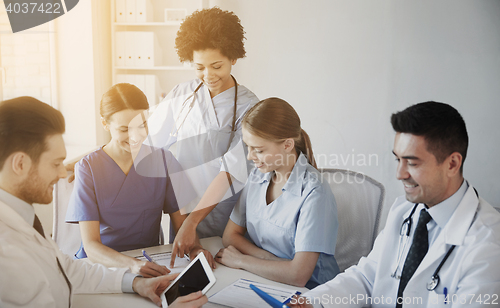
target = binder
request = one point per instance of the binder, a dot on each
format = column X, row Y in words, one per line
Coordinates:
column 120, row 42
column 130, row 45
column 150, row 49
column 141, row 45
column 148, row 84
column 140, row 82
column 130, row 11
column 120, row 11
column 144, row 11
column 121, row 78
column 152, row 89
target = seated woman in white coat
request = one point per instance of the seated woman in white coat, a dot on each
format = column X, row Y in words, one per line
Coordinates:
column 289, row 213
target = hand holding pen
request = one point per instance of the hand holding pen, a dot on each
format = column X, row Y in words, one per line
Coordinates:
column 149, row 268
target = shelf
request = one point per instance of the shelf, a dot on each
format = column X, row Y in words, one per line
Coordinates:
column 156, row 68
column 147, row 24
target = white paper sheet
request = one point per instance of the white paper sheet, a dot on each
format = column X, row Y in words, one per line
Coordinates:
column 164, row 258
column 239, row 295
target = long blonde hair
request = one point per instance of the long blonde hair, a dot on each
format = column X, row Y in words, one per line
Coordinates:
column 274, row 119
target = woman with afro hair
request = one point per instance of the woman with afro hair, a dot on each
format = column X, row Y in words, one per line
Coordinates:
column 200, row 123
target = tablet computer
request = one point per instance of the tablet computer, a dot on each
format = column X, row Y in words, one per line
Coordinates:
column 197, row 276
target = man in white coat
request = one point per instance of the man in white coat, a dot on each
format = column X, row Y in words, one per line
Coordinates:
column 33, row 271
column 441, row 244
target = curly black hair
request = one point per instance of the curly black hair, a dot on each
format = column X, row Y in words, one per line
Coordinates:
column 210, row 29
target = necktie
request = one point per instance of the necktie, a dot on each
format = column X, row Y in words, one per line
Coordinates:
column 38, row 226
column 418, row 249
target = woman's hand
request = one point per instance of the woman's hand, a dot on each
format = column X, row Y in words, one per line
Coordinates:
column 148, row 269
column 184, row 242
column 70, row 168
column 197, row 249
column 298, row 302
column 230, row 257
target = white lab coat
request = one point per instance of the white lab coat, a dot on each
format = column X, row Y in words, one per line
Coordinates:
column 29, row 274
column 198, row 133
column 471, row 273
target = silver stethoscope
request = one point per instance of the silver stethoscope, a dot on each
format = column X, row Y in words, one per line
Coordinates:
column 192, row 96
column 404, row 235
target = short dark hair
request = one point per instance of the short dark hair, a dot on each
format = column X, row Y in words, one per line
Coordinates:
column 122, row 96
column 25, row 123
column 440, row 124
column 210, row 29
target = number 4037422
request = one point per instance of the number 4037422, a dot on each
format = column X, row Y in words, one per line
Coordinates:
column 33, row 8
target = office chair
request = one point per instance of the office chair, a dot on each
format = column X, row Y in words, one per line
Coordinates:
column 359, row 204
column 67, row 236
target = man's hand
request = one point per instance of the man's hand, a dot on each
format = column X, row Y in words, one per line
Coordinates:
column 152, row 287
column 193, row 300
column 148, row 269
column 230, row 257
column 184, row 242
column 197, row 249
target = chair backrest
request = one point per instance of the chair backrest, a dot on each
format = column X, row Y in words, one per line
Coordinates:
column 66, row 235
column 359, row 201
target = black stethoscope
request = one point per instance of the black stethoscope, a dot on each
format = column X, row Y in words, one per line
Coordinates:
column 192, row 96
column 405, row 232
column 175, row 131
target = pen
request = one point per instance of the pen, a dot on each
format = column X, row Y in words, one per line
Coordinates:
column 445, row 291
column 290, row 298
column 268, row 298
column 145, row 254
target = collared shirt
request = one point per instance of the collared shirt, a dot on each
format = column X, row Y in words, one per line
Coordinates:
column 24, row 209
column 302, row 218
column 442, row 212
column 27, row 212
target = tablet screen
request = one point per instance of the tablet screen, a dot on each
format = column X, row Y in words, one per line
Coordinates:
column 193, row 280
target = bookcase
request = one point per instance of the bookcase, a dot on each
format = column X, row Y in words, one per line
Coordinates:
column 143, row 38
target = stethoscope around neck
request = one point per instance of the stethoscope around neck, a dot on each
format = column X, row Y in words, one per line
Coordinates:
column 405, row 232
column 192, row 96
column 404, row 236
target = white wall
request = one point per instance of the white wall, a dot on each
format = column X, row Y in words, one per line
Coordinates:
column 347, row 65
column 84, row 69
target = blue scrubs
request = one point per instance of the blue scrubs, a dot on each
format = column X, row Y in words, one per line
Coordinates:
column 303, row 218
column 128, row 207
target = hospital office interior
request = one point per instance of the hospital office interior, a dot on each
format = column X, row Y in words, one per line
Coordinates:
column 345, row 66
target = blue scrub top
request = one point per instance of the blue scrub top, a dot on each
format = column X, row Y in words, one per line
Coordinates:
column 128, row 207
column 302, row 218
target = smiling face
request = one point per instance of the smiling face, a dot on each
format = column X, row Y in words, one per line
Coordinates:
column 38, row 186
column 269, row 155
column 214, row 69
column 128, row 129
column 424, row 179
